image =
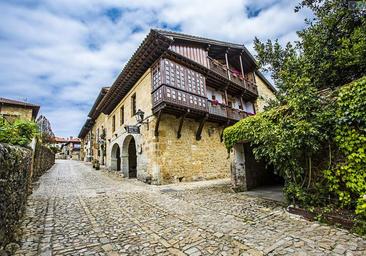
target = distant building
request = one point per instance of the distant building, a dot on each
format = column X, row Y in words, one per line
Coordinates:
column 13, row 109
column 69, row 147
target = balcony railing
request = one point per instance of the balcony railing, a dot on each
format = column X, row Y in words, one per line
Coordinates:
column 178, row 98
column 236, row 114
column 221, row 110
column 217, row 109
column 238, row 79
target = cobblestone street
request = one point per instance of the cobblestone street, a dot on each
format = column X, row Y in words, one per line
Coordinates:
column 76, row 210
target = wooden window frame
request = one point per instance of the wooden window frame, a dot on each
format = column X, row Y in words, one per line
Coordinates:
column 114, row 123
column 122, row 115
column 133, row 105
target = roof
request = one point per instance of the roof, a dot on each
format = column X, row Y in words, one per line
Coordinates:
column 86, row 128
column 203, row 40
column 93, row 112
column 35, row 108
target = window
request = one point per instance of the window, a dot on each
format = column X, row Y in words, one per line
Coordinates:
column 122, row 115
column 113, row 123
column 133, row 104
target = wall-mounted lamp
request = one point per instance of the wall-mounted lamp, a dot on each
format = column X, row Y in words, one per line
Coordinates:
column 140, row 118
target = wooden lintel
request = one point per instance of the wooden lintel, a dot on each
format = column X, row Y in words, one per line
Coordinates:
column 200, row 127
column 157, row 124
column 179, row 133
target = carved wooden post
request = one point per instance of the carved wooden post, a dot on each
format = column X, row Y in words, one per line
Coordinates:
column 227, row 64
column 242, row 70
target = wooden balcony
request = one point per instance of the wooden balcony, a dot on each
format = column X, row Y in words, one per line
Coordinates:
column 222, row 70
column 217, row 109
column 179, row 99
column 180, row 91
column 236, row 114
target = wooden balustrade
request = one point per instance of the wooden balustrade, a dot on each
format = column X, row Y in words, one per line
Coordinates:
column 238, row 79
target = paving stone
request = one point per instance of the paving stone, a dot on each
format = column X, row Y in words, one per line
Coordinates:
column 67, row 215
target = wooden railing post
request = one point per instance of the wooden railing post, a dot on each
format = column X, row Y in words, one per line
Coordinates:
column 227, row 64
column 242, row 70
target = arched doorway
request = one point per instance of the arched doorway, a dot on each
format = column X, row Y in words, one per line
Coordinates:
column 129, row 157
column 116, row 158
column 132, row 159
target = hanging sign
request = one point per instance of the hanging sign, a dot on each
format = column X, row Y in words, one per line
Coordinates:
column 132, row 129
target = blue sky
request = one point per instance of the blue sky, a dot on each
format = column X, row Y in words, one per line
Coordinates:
column 59, row 53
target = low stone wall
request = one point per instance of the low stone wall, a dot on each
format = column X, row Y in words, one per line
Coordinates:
column 44, row 159
column 16, row 176
column 15, row 165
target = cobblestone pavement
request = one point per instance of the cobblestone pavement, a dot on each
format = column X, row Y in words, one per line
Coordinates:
column 79, row 211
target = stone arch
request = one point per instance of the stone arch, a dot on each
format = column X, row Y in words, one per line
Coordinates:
column 116, row 157
column 129, row 157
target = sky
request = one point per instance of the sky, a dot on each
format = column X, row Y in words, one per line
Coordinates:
column 59, row 53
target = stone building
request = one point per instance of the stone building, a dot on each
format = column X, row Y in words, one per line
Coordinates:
column 71, row 149
column 14, row 109
column 162, row 119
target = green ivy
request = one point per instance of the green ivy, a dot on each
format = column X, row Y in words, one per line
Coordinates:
column 20, row 132
column 317, row 144
column 348, row 178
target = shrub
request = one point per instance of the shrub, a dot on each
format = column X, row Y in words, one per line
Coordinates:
column 20, row 132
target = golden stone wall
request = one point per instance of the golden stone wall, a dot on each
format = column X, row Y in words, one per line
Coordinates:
column 100, row 123
column 21, row 113
column 142, row 89
column 264, row 93
column 186, row 158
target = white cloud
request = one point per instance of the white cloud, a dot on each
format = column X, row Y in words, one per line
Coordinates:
column 59, row 53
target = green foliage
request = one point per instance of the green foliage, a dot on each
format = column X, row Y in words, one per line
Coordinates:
column 348, row 178
column 331, row 51
column 20, row 132
column 317, row 143
column 287, row 135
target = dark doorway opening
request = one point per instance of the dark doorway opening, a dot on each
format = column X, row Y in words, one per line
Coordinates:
column 258, row 174
column 132, row 159
column 118, row 157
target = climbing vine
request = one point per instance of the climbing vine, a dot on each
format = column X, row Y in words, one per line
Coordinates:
column 348, row 178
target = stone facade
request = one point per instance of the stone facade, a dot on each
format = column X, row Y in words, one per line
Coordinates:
column 119, row 139
column 188, row 159
column 264, row 92
column 16, row 112
column 99, row 151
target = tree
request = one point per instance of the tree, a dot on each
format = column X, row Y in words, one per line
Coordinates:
column 331, row 50
column 316, row 143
